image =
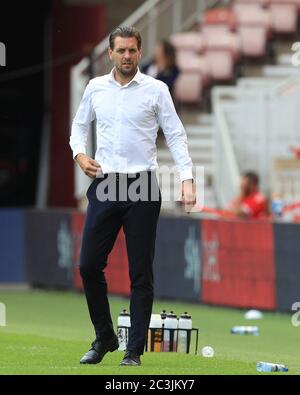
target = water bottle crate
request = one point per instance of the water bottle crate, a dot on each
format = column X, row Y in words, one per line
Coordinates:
column 156, row 337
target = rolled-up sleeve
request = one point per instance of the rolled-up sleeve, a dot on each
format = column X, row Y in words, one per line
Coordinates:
column 174, row 132
column 81, row 123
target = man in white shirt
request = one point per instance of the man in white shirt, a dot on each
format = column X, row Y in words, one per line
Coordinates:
column 129, row 107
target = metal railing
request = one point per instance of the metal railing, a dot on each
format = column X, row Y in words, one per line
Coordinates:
column 227, row 172
column 154, row 19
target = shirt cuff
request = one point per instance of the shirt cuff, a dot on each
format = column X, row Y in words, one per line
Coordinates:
column 78, row 150
column 186, row 174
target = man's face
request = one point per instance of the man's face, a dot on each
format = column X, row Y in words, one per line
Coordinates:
column 125, row 55
column 246, row 186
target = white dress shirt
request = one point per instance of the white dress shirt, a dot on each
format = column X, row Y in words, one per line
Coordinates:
column 128, row 117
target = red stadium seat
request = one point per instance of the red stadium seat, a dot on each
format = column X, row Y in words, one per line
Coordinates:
column 262, row 3
column 214, row 29
column 226, row 41
column 220, row 16
column 254, row 27
column 221, row 64
column 253, row 40
column 189, row 41
column 284, row 16
column 246, row 7
column 194, row 64
column 254, row 16
column 188, row 88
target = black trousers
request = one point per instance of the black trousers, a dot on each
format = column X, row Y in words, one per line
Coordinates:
column 103, row 222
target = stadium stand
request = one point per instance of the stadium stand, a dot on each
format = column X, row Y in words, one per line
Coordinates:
column 235, row 36
column 246, row 38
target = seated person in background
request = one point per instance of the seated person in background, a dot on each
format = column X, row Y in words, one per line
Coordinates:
column 163, row 66
column 250, row 203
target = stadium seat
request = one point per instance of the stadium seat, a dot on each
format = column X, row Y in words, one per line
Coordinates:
column 224, row 17
column 254, row 28
column 221, row 64
column 254, row 16
column 225, row 41
column 253, row 40
column 213, row 29
column 188, row 63
column 262, row 3
column 188, row 88
column 245, row 7
column 284, row 16
column 189, row 41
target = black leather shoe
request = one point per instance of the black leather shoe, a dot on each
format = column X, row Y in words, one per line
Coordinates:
column 131, row 359
column 98, row 350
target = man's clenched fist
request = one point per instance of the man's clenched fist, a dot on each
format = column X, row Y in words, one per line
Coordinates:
column 89, row 166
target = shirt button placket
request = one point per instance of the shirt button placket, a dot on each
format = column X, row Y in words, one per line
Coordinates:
column 120, row 101
column 116, row 124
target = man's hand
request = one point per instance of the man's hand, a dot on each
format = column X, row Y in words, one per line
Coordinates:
column 89, row 166
column 188, row 195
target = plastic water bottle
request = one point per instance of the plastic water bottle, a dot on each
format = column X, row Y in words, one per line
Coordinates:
column 184, row 335
column 123, row 325
column 155, row 333
column 245, row 330
column 277, row 206
column 271, row 367
column 170, row 332
column 163, row 314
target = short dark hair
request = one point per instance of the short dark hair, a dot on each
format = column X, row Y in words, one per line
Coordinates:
column 252, row 177
column 125, row 31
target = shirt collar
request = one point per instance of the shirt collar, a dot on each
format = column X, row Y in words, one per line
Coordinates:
column 138, row 77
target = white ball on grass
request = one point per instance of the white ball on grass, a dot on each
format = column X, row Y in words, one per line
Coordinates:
column 208, row 351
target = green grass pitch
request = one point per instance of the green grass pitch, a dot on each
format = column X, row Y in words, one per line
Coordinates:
column 48, row 332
